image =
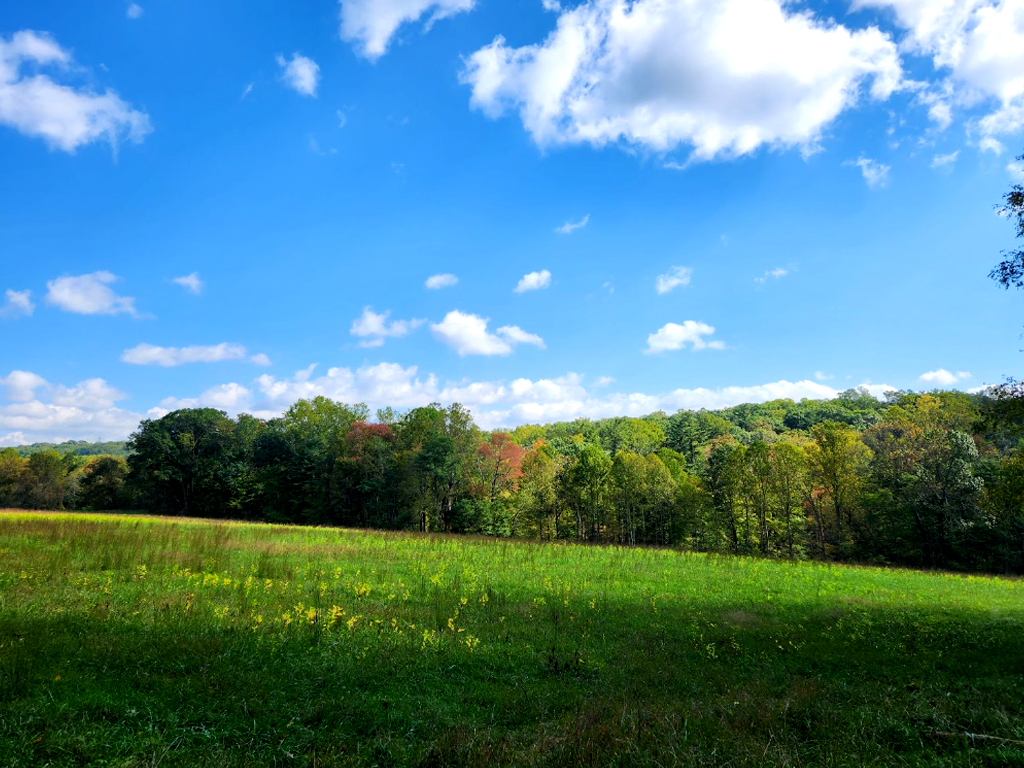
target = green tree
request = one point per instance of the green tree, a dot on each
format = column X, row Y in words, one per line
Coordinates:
column 837, row 460
column 12, row 478
column 1010, row 271
column 182, row 463
column 582, row 485
column 102, row 485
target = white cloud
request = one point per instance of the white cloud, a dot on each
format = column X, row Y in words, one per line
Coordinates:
column 724, row 77
column 940, row 161
column 513, row 334
column 672, row 336
column 977, row 46
column 134, row 11
column 375, row 328
column 371, row 24
column 39, row 411
column 1016, row 169
column 168, row 357
column 467, row 334
column 988, row 144
column 552, row 6
column 771, row 274
column 675, row 277
column 571, row 226
column 533, row 281
column 301, row 74
column 88, row 295
column 342, row 118
column 943, row 377
column 66, row 117
column 441, row 281
column 22, row 385
column 822, row 376
column 17, row 304
column 261, row 358
column 247, row 90
column 191, row 283
column 876, row 174
column 504, row 404
column 233, row 398
column 91, row 394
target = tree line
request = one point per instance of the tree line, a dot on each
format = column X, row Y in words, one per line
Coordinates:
column 925, row 479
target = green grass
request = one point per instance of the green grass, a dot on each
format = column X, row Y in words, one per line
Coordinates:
column 133, row 641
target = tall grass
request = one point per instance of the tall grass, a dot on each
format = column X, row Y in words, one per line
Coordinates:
column 139, row 641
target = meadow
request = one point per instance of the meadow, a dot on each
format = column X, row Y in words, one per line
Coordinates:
column 143, row 641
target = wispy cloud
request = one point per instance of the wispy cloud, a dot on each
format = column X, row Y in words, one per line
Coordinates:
column 445, row 280
column 134, row 11
column 940, row 161
column 876, row 174
column 17, row 304
column 674, row 278
column 190, row 283
column 771, row 274
column 169, row 357
column 374, row 328
column 571, row 226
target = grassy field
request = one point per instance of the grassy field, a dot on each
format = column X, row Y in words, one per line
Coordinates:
column 132, row 641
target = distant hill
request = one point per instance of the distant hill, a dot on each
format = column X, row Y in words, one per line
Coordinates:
column 76, row 448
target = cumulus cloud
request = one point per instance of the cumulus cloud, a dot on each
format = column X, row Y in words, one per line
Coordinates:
column 66, row 117
column 232, row 397
column 533, row 281
column 169, row 357
column 672, row 336
column 976, row 47
column 944, row 378
column 504, row 403
column 467, row 334
column 190, row 283
column 301, row 74
column 675, row 277
column 89, row 294
column 374, row 328
column 771, row 274
column 876, row 174
column 89, row 410
column 445, row 280
column 571, row 226
column 38, row 411
column 723, row 77
column 371, row 24
column 22, row 385
column 17, row 304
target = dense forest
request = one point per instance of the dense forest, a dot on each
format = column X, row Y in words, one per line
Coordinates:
column 925, row 479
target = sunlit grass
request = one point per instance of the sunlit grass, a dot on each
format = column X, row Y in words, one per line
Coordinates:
column 128, row 640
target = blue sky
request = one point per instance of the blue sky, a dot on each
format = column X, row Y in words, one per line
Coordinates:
column 674, row 203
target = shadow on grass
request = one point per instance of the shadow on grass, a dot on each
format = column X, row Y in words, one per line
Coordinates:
column 738, row 686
